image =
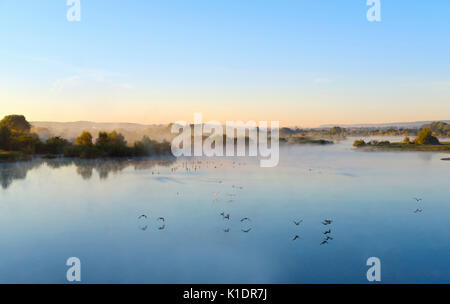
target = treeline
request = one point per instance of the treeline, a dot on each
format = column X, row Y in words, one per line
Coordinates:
column 425, row 137
column 439, row 128
column 15, row 136
column 342, row 132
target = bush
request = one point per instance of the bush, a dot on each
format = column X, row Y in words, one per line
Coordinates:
column 359, row 143
column 55, row 145
column 112, row 144
column 5, row 138
column 85, row 139
column 425, row 137
column 383, row 143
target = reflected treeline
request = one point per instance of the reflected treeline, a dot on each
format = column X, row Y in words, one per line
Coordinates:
column 9, row 172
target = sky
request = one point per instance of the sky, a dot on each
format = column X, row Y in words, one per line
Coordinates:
column 300, row 62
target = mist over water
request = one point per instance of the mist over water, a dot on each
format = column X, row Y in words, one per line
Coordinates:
column 52, row 210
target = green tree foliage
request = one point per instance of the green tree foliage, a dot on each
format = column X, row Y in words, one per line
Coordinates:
column 440, row 128
column 27, row 143
column 337, row 131
column 56, row 145
column 148, row 147
column 425, row 137
column 5, row 138
column 85, row 139
column 15, row 137
column 359, row 143
column 16, row 123
column 112, row 144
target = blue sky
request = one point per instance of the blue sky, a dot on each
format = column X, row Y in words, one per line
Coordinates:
column 304, row 63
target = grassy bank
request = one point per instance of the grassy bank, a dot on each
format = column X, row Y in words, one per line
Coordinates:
column 305, row 140
column 398, row 146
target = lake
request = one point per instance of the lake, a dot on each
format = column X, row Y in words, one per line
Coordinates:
column 51, row 210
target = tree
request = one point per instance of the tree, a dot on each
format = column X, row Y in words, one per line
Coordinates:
column 406, row 140
column 27, row 143
column 337, row 131
column 112, row 144
column 425, row 137
column 85, row 139
column 56, row 145
column 102, row 139
column 359, row 143
column 16, row 123
column 5, row 138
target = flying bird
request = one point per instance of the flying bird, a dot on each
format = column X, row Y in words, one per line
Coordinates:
column 418, row 210
column 324, row 242
column 245, row 219
column 162, row 227
column 161, row 219
column 328, row 238
column 142, row 216
column 248, row 230
column 417, row 199
column 327, row 232
column 226, row 230
column 144, row 228
column 327, row 222
column 295, row 237
column 298, row 223
column 226, row 217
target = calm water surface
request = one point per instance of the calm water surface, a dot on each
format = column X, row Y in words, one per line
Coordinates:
column 52, row 210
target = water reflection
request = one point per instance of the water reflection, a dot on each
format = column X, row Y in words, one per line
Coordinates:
column 315, row 218
column 10, row 172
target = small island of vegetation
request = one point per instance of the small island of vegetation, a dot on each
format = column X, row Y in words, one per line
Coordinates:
column 17, row 142
column 425, row 141
column 305, row 140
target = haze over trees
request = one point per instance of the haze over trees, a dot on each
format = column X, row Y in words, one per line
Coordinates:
column 424, row 141
column 17, row 141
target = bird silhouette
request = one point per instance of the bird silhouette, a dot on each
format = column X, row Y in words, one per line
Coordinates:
column 327, row 232
column 324, row 242
column 226, row 230
column 245, row 219
column 247, row 230
column 226, row 217
column 295, row 237
column 327, row 222
column 418, row 210
column 161, row 219
column 328, row 238
column 417, row 199
column 144, row 228
column 142, row 216
column 297, row 222
column 222, row 213
column 162, row 227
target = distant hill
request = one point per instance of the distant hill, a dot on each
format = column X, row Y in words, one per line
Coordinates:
column 134, row 131
column 412, row 125
column 70, row 130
